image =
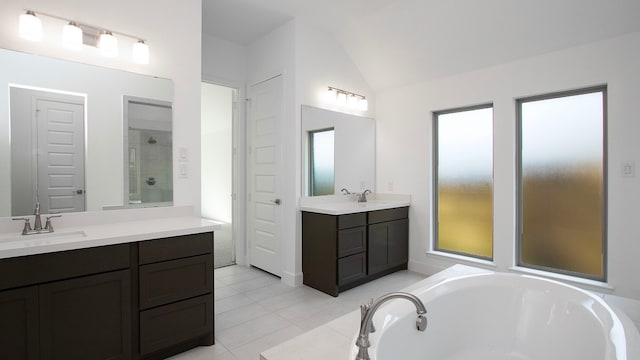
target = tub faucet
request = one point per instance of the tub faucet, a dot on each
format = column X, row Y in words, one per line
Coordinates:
column 366, row 321
column 363, row 197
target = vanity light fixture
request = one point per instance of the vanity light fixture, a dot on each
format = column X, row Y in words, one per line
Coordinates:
column 347, row 98
column 72, row 36
column 75, row 35
column 108, row 44
column 30, row 26
column 141, row 52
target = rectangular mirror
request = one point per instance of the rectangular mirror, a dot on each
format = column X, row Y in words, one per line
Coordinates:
column 100, row 92
column 338, row 152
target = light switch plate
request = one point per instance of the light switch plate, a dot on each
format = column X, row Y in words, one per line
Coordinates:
column 183, row 171
column 183, row 154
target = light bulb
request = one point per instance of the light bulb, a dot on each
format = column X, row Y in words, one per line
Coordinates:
column 363, row 105
column 342, row 98
column 30, row 26
column 331, row 94
column 352, row 101
column 141, row 53
column 108, row 44
column 72, row 36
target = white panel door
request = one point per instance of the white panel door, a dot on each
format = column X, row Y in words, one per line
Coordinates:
column 60, row 127
column 264, row 108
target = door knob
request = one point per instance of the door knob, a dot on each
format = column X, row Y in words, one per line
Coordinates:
column 276, row 201
column 79, row 192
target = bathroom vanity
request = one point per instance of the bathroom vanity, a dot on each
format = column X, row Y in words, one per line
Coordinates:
column 348, row 244
column 136, row 294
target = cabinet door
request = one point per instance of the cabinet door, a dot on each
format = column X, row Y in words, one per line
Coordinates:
column 352, row 241
column 398, row 242
column 388, row 245
column 19, row 324
column 352, row 268
column 86, row 318
column 170, row 281
column 377, row 249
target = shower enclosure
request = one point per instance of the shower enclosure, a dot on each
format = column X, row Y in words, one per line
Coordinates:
column 148, row 163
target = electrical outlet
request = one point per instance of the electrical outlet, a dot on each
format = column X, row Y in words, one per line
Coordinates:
column 628, row 169
column 183, row 171
column 390, row 186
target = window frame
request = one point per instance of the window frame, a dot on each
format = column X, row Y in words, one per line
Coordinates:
column 311, row 143
column 435, row 162
column 519, row 181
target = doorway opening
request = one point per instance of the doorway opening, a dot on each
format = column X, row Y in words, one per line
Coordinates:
column 217, row 163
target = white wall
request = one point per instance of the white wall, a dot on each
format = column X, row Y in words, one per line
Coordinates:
column 404, row 153
column 172, row 30
column 216, row 137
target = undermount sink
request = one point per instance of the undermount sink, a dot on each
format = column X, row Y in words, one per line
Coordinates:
column 49, row 236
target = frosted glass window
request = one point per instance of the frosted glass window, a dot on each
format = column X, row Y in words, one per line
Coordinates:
column 321, row 165
column 464, row 181
column 562, row 193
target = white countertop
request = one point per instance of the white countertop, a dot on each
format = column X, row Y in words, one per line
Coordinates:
column 336, row 339
column 100, row 233
column 347, row 204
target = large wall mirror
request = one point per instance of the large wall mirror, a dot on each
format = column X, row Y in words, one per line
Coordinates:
column 56, row 113
column 338, row 152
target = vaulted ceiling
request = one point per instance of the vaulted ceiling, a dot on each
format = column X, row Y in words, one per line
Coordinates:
column 395, row 42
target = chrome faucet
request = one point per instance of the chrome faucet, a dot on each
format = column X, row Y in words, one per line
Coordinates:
column 366, row 319
column 37, row 223
column 362, row 198
column 345, row 191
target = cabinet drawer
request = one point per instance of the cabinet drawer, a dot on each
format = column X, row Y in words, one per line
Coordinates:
column 172, row 324
column 388, row 215
column 34, row 269
column 175, row 247
column 169, row 281
column 352, row 241
column 352, row 220
column 352, row 268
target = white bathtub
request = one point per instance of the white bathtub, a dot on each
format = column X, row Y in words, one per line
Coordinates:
column 503, row 317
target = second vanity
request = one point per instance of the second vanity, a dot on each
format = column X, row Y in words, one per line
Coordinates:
column 136, row 289
column 346, row 243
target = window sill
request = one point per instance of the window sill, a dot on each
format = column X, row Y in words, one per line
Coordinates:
column 591, row 285
column 467, row 260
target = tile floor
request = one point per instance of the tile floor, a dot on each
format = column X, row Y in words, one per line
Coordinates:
column 254, row 311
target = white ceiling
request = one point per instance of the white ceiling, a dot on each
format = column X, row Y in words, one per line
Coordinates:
column 395, row 42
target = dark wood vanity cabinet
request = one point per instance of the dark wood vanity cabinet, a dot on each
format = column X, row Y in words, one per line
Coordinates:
column 176, row 294
column 140, row 300
column 67, row 305
column 342, row 251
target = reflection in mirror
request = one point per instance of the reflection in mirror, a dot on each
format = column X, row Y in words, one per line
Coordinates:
column 352, row 152
column 321, row 162
column 47, row 163
column 148, row 154
column 101, row 90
